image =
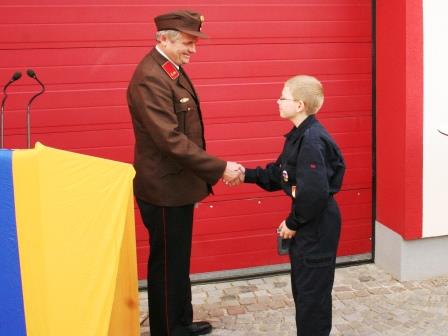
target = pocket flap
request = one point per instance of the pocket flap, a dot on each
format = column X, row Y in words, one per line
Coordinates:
column 319, row 260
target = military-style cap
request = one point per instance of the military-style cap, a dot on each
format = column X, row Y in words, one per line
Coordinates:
column 182, row 20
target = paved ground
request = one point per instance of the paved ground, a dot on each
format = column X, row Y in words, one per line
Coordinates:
column 366, row 301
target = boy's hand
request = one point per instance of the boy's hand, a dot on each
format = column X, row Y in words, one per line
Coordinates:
column 284, row 232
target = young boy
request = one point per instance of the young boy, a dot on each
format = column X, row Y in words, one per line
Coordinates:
column 310, row 170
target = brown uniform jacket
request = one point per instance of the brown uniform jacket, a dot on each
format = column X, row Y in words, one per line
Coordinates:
column 172, row 167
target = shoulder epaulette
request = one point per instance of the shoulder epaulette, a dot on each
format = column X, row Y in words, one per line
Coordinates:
column 170, row 69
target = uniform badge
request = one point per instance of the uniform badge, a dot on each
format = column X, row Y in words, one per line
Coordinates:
column 184, row 100
column 170, row 69
column 202, row 19
column 285, row 176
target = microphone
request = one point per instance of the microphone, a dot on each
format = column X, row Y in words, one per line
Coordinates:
column 32, row 74
column 14, row 77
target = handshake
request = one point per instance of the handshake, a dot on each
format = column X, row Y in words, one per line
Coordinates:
column 234, row 174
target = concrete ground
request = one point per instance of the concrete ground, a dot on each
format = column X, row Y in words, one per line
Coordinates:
column 366, row 301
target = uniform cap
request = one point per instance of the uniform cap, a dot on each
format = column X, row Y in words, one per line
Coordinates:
column 183, row 21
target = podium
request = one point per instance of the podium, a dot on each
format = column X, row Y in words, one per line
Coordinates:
column 67, row 245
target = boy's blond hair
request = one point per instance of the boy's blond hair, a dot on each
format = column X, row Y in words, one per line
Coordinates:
column 307, row 89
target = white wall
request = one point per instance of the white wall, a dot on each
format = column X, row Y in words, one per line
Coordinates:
column 435, row 145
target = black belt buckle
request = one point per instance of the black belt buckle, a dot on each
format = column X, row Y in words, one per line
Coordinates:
column 283, row 245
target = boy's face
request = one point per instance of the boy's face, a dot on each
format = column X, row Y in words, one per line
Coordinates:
column 288, row 107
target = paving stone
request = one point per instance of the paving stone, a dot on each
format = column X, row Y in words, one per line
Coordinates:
column 256, row 307
column 342, row 289
column 248, row 300
column 247, row 295
column 236, row 310
column 345, row 295
column 230, row 303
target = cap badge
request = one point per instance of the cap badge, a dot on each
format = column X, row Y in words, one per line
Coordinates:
column 184, row 100
column 285, row 176
column 202, row 19
column 170, row 69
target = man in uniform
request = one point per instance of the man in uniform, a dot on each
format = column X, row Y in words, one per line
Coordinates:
column 173, row 170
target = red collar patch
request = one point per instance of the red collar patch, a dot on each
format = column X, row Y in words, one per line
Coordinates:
column 170, row 69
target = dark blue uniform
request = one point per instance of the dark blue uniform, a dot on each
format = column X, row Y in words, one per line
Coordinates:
column 310, row 170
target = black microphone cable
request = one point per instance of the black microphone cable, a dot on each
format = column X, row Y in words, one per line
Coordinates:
column 32, row 74
column 14, row 77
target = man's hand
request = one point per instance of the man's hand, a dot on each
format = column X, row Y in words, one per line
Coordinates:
column 284, row 232
column 234, row 174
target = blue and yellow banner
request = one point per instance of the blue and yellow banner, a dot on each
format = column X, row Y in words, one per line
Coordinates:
column 67, row 245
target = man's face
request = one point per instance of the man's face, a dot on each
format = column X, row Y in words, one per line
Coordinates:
column 180, row 49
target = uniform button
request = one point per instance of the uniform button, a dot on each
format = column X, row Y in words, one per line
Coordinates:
column 188, row 109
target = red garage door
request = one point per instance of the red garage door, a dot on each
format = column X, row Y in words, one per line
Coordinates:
column 85, row 54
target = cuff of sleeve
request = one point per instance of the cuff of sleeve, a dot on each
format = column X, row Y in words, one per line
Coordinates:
column 291, row 222
column 250, row 176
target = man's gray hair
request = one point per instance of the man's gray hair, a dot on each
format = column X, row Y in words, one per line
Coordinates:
column 171, row 34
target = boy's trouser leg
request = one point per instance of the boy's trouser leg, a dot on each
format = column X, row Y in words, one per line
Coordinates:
column 312, row 282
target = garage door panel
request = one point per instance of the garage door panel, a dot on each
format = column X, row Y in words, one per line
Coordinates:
column 359, row 229
column 75, row 140
column 131, row 31
column 252, row 258
column 118, row 153
column 353, row 160
column 123, row 72
column 239, row 69
column 273, row 145
column 250, row 199
column 71, row 118
column 83, row 97
column 245, row 241
column 139, row 13
column 172, row 2
column 354, row 247
column 254, row 129
column 208, row 52
column 265, row 90
column 235, row 244
column 226, row 226
column 256, row 109
column 233, row 224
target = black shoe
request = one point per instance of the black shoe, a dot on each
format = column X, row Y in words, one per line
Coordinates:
column 200, row 328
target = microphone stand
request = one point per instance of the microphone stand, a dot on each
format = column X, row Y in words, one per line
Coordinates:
column 14, row 77
column 33, row 75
